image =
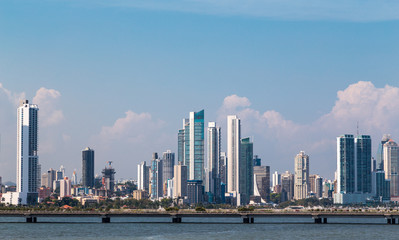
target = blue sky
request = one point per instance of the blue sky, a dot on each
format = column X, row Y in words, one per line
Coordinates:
column 279, row 66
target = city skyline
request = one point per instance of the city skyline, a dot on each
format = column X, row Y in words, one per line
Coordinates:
column 119, row 79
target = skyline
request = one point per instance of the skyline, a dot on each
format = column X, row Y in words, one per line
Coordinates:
column 121, row 78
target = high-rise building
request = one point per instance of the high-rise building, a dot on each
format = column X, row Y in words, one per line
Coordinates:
column 65, row 187
column 345, row 164
column 156, row 177
column 318, row 187
column 180, row 181
column 262, row 183
column 195, row 192
column 27, row 155
column 301, row 175
column 88, row 167
column 276, row 179
column 381, row 186
column 354, row 183
column 380, row 153
column 233, row 153
column 191, row 142
column 214, row 139
column 246, row 175
column 74, row 178
column 168, row 163
column 223, row 170
column 363, row 163
column 391, row 166
column 108, row 179
column 143, row 176
column 287, row 186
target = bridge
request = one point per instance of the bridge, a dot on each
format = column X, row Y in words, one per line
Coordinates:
column 176, row 217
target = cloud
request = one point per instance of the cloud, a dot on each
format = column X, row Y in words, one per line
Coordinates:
column 347, row 10
column 279, row 139
column 50, row 113
column 14, row 98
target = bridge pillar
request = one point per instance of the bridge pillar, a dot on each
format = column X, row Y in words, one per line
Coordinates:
column 393, row 220
column 247, row 219
column 105, row 219
column 324, row 220
column 389, row 221
column 30, row 219
column 176, row 219
column 317, row 220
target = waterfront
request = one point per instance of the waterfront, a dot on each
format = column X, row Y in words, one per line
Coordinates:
column 271, row 229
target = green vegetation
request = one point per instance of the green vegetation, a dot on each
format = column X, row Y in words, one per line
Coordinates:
column 200, row 209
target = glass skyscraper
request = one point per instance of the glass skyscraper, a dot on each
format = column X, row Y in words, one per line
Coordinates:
column 346, row 164
column 214, row 160
column 88, row 167
column 246, row 174
column 191, row 146
column 363, row 164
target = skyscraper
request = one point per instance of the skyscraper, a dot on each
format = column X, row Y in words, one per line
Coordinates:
column 214, row 160
column 180, row 181
column 262, row 183
column 27, row 157
column 65, row 187
column 391, row 166
column 88, row 167
column 191, row 143
column 168, row 162
column 143, row 177
column 380, row 152
column 346, row 164
column 156, row 177
column 301, row 175
column 287, row 186
column 233, row 153
column 363, row 163
column 246, row 174
column 276, row 179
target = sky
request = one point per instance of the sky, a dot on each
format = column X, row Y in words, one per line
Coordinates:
column 119, row 76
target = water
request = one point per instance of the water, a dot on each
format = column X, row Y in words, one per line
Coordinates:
column 120, row 228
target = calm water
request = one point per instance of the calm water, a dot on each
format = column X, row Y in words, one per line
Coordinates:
column 91, row 228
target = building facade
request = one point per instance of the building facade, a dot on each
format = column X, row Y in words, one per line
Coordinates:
column 214, row 140
column 246, row 175
column 301, row 176
column 233, row 153
column 88, row 167
column 391, row 165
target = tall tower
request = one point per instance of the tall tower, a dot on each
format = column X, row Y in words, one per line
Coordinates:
column 214, row 159
column 301, row 175
column 143, row 176
column 168, row 159
column 345, row 164
column 363, row 164
column 246, row 172
column 391, row 165
column 380, row 152
column 191, row 145
column 233, row 152
column 88, row 167
column 27, row 157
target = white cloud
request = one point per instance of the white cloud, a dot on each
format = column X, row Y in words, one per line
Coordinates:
column 14, row 98
column 352, row 10
column 376, row 110
column 50, row 113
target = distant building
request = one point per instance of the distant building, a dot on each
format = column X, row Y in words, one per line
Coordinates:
column 168, row 161
column 140, row 194
column 246, row 175
column 88, row 168
column 257, row 161
column 233, row 153
column 381, row 186
column 108, row 179
column 180, row 181
column 143, row 173
column 276, row 179
column 287, row 186
column 195, row 191
column 380, row 153
column 391, row 165
column 65, row 188
column 213, row 180
column 156, row 177
column 301, row 176
column 262, row 183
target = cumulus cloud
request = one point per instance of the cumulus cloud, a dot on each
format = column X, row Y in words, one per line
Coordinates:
column 50, row 113
column 14, row 98
column 375, row 109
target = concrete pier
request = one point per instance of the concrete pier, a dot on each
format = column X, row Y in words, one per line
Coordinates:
column 30, row 219
column 105, row 219
column 176, row 219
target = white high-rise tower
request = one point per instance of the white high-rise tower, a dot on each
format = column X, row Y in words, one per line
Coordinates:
column 27, row 158
column 233, row 152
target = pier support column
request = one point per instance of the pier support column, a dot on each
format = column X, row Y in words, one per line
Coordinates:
column 31, row 219
column 317, row 220
column 324, row 220
column 252, row 219
column 176, row 219
column 247, row 219
column 389, row 221
column 105, row 219
column 393, row 220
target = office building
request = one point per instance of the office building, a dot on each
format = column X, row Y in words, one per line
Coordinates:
column 233, row 153
column 380, row 153
column 213, row 180
column 223, row 170
column 391, row 166
column 363, row 164
column 108, row 179
column 195, row 191
column 156, row 177
column 381, row 187
column 246, row 175
column 88, row 167
column 168, row 163
column 65, row 187
column 257, row 161
column 180, row 181
column 143, row 176
column 287, row 186
column 276, row 179
column 262, row 183
column 191, row 143
column 301, row 176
